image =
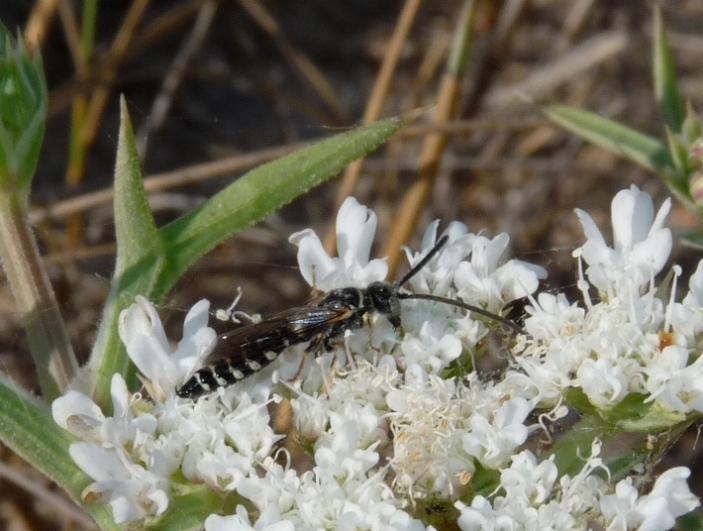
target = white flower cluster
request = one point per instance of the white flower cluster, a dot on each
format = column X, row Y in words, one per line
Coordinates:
column 534, row 497
column 632, row 341
column 379, row 427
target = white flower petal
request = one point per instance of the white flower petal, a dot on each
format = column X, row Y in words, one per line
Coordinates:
column 99, row 463
column 356, row 227
column 632, row 213
column 595, row 250
column 71, row 404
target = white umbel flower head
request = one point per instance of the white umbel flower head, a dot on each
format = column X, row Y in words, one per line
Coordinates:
column 392, row 427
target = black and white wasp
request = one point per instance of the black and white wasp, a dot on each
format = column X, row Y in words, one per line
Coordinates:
column 323, row 320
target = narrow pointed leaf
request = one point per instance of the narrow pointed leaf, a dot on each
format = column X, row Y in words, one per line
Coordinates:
column 140, row 255
column 26, row 426
column 135, row 228
column 261, row 192
column 666, row 86
column 640, row 148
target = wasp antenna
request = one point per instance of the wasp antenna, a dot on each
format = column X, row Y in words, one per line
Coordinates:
column 422, row 263
column 460, row 304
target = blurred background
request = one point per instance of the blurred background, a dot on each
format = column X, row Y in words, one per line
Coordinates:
column 216, row 87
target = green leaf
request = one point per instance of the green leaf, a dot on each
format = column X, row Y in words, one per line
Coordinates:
column 575, row 445
column 261, row 192
column 666, row 86
column 632, row 417
column 633, row 145
column 140, row 256
column 136, row 232
column 26, row 426
column 484, row 481
column 649, row 418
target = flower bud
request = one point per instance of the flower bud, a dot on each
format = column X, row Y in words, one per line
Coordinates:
column 23, row 105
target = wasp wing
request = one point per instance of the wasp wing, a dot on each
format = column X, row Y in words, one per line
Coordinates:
column 291, row 327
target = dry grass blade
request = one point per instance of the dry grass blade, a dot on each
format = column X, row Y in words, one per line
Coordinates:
column 72, row 34
column 580, row 58
column 299, row 61
column 87, row 113
column 376, row 101
column 164, row 181
column 191, row 45
column 38, row 23
column 118, row 50
column 432, row 150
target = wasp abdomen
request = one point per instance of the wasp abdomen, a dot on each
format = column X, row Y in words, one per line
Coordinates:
column 223, row 374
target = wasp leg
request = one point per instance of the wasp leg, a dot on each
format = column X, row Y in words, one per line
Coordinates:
column 369, row 322
column 314, row 346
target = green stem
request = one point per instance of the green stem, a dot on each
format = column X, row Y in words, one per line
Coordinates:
column 48, row 339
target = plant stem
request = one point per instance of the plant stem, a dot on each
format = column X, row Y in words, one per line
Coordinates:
column 48, row 339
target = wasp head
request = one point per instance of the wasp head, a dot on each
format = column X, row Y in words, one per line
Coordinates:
column 383, row 298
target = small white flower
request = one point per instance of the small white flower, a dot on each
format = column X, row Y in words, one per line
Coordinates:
column 657, row 511
column 492, row 440
column 79, row 415
column 604, row 383
column 481, row 280
column 356, row 227
column 641, row 243
column 687, row 316
column 532, row 480
column 553, row 317
column 694, row 298
column 486, row 283
column 132, row 491
column 143, row 335
column 431, row 347
column 343, row 458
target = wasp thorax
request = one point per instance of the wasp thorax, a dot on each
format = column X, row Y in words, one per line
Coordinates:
column 342, row 298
